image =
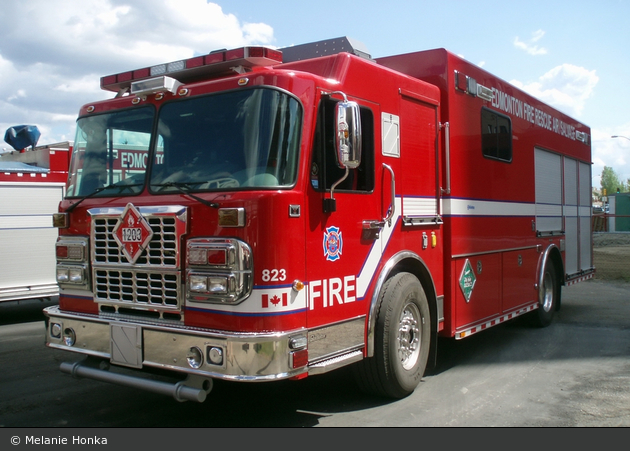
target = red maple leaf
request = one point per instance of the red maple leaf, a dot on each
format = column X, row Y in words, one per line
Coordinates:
column 275, row 300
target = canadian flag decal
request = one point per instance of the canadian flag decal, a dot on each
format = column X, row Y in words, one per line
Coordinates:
column 274, row 301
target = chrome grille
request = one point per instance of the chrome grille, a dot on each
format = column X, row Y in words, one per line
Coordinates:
column 162, row 250
column 153, row 283
column 150, row 289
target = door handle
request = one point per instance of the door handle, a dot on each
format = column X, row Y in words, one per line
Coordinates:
column 376, row 225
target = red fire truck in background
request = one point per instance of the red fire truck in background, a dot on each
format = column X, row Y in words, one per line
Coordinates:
column 258, row 214
column 32, row 183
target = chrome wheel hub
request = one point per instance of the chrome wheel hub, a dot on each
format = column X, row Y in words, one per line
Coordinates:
column 547, row 300
column 409, row 336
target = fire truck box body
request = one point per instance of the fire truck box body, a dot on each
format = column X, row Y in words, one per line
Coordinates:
column 512, row 195
column 452, row 202
column 32, row 183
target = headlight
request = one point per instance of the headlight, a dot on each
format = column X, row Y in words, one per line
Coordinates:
column 218, row 284
column 198, row 284
column 62, row 275
column 219, row 270
column 72, row 262
column 74, row 275
column 214, row 284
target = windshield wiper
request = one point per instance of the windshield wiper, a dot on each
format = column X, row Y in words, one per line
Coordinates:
column 184, row 188
column 121, row 188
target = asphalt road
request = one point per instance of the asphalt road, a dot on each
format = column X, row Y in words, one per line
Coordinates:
column 574, row 373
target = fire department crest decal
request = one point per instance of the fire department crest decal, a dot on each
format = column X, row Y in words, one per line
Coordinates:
column 132, row 233
column 333, row 244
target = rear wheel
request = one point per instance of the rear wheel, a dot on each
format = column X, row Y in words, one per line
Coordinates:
column 550, row 296
column 402, row 338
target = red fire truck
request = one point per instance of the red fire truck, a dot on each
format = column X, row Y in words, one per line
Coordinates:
column 258, row 214
column 32, row 183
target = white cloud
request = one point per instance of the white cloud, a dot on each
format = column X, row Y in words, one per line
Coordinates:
column 258, row 32
column 53, row 52
column 17, row 95
column 530, row 46
column 81, row 85
column 566, row 87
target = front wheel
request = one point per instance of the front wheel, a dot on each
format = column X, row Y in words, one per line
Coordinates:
column 402, row 339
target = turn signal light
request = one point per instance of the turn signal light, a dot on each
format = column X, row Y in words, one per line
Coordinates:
column 65, row 252
column 207, row 256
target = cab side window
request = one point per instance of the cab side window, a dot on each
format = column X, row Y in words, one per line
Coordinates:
column 324, row 169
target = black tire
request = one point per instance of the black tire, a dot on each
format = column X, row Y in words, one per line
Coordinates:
column 401, row 341
column 543, row 316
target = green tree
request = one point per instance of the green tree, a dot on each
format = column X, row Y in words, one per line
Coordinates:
column 610, row 181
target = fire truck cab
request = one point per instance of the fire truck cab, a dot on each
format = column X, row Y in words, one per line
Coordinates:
column 258, row 214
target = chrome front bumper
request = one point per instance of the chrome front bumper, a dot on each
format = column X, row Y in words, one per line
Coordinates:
column 211, row 354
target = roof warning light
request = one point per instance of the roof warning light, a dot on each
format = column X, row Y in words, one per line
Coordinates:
column 171, row 75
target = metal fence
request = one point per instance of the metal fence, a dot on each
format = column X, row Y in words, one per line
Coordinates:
column 606, row 222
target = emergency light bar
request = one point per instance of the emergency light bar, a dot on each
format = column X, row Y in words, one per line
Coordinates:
column 195, row 68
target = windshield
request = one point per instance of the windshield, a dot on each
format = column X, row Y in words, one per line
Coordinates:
column 237, row 140
column 224, row 141
column 110, row 152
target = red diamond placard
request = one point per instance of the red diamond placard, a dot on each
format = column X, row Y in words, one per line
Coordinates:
column 132, row 233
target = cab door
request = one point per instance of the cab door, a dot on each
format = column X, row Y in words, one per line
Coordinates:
column 337, row 246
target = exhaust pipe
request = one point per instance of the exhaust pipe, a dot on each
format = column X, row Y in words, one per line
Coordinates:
column 194, row 388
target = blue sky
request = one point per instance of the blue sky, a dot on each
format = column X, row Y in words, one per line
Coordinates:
column 574, row 55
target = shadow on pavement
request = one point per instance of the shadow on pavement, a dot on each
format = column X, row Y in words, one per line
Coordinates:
column 24, row 311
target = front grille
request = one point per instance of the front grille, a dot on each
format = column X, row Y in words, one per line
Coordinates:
column 153, row 283
column 162, row 250
column 147, row 289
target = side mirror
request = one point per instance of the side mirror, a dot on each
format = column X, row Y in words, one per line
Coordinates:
column 348, row 133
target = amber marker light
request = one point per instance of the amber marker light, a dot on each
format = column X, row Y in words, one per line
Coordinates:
column 298, row 285
column 232, row 217
column 60, row 220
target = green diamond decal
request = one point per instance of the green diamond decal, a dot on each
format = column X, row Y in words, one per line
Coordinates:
column 467, row 280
